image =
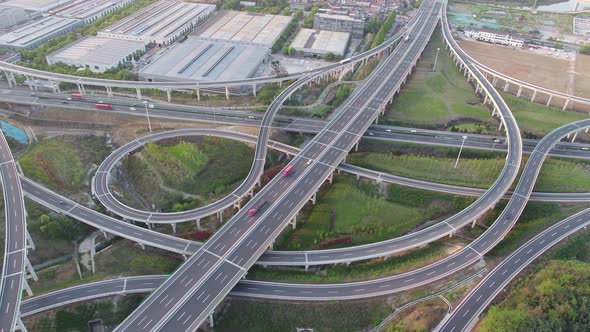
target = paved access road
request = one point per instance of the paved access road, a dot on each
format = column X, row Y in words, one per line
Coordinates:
column 15, row 251
column 467, row 312
column 188, row 296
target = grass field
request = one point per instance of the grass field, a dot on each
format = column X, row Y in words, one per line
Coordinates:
column 438, row 99
column 249, row 316
column 475, row 169
column 539, row 119
column 364, row 214
column 62, row 163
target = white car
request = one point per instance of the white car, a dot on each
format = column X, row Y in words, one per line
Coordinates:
column 585, row 149
column 309, row 161
column 371, row 134
column 413, row 130
column 132, row 108
column 388, row 130
column 151, row 106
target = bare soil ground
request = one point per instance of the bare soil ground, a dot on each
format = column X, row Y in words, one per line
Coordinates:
column 582, row 86
column 541, row 70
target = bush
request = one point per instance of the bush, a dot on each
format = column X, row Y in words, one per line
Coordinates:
column 308, row 22
column 382, row 33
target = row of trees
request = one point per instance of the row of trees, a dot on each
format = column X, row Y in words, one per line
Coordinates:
column 288, row 31
column 308, row 22
column 384, row 30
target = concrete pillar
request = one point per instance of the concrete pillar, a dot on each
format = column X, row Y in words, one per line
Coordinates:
column 198, row 222
column 30, row 243
column 271, row 246
column 356, row 146
column 313, row 198
column 254, row 90
column 331, row 178
column 29, row 80
column 142, row 245
column 198, row 95
column 473, row 223
column 485, row 100
column 20, row 326
column 211, row 319
column 80, row 89
column 109, row 91
column 8, row 79
column 294, row 222
column 494, row 81
column 92, row 253
column 534, row 95
column 149, row 225
column 519, row 91
column 549, row 101
column 173, row 228
column 501, row 125
column 29, row 267
column 226, row 93
column 138, row 93
column 220, row 216
column 567, row 101
column 169, row 95
column 575, row 136
column 506, row 86
column 27, row 287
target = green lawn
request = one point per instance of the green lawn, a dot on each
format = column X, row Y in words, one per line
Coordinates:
column 557, row 175
column 438, row 99
column 365, row 213
column 62, row 163
column 538, row 119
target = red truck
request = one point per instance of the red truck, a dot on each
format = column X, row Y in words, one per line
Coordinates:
column 104, row 106
column 253, row 210
column 76, row 96
column 288, row 170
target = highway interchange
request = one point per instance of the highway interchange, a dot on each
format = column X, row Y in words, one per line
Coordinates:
column 217, row 267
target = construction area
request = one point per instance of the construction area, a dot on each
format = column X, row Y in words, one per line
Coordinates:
column 570, row 75
column 202, row 60
column 244, row 28
column 161, row 23
column 321, row 42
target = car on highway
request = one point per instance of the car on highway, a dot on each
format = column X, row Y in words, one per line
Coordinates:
column 288, row 170
column 413, row 130
column 495, row 140
column 64, row 101
column 371, row 134
column 101, row 102
column 388, row 130
column 309, row 161
column 33, row 94
column 151, row 106
column 132, row 108
column 69, row 98
column 250, row 117
column 585, row 149
column 252, row 212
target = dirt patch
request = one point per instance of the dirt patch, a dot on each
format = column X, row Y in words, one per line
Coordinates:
column 582, row 87
column 541, row 70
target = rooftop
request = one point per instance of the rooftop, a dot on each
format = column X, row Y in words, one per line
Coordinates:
column 338, row 17
column 160, row 19
column 196, row 59
column 244, row 27
column 321, row 41
column 35, row 30
column 35, row 4
column 97, row 50
column 81, row 9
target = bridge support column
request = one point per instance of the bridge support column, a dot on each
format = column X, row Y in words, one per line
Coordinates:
column 356, row 146
column 331, row 178
column 519, row 91
column 198, row 222
column 293, row 222
column 80, row 89
column 567, row 101
column 30, row 83
column 198, row 95
column 220, row 216
column 20, row 326
column 313, row 198
column 138, row 91
column 8, row 79
column 501, row 125
column 494, row 81
column 104, row 234
column 495, row 112
column 254, row 90
column 271, row 246
column 141, row 245
column 29, row 267
column 485, row 100
column 534, row 95
column 450, row 235
column 109, row 92
column 92, row 254
column 226, row 93
column 27, row 287
column 549, row 101
column 30, row 243
column 149, row 225
column 473, row 223
column 506, row 86
column 173, row 228
column 238, row 204
column 169, row 95
column 210, row 318
column 575, row 136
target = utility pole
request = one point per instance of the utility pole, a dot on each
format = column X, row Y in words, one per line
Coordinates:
column 460, row 149
column 435, row 59
column 147, row 115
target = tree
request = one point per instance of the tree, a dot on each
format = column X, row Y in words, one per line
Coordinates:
column 585, row 49
column 329, row 56
column 373, row 25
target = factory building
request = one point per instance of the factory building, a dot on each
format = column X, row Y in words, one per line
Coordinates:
column 244, row 28
column 38, row 32
column 96, row 53
column 10, row 16
column 494, row 38
column 342, row 23
column 320, row 42
column 161, row 23
column 35, row 5
column 203, row 60
column 88, row 10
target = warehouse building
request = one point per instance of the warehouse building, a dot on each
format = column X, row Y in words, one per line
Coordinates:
column 88, row 10
column 202, row 60
column 35, row 5
column 160, row 23
column 244, row 28
column 342, row 23
column 10, row 16
column 491, row 36
column 320, row 42
column 96, row 53
column 38, row 32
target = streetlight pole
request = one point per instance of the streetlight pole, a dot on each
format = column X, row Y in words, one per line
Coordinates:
column 435, row 59
column 460, row 149
column 147, row 115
